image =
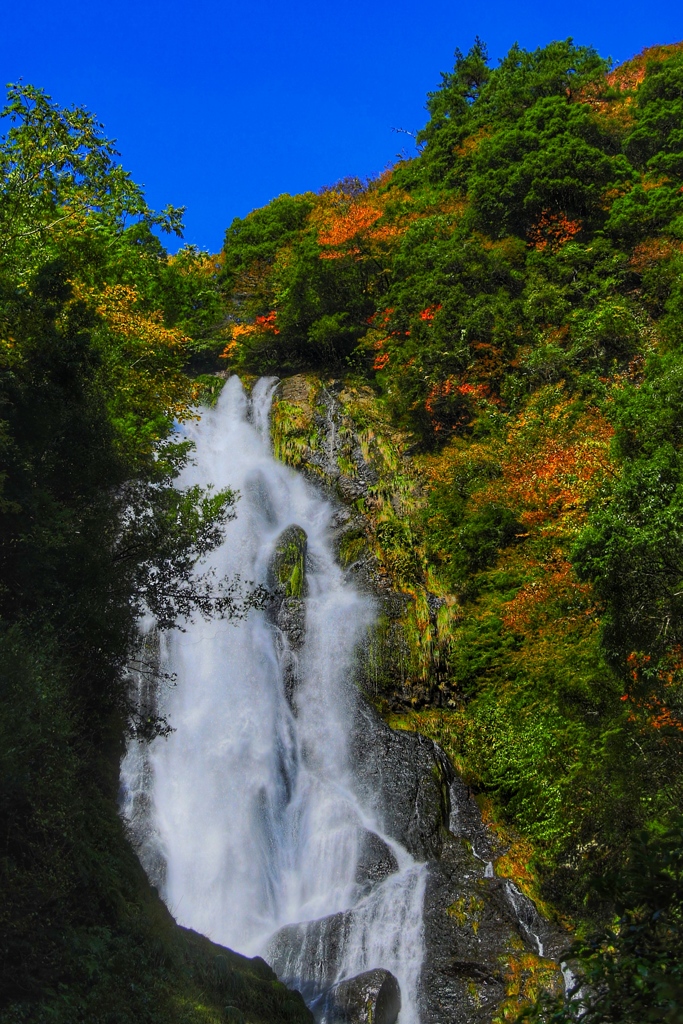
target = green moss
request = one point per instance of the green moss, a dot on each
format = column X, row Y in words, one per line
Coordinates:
column 467, row 912
column 295, row 582
column 209, row 388
column 352, row 546
column 289, row 562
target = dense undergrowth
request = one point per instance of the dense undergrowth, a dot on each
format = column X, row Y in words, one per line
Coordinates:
column 505, row 313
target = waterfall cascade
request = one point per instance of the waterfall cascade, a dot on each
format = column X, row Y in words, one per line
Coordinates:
column 259, row 833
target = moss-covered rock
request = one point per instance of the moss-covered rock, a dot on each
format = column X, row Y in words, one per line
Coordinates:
column 373, row 997
column 287, row 607
column 287, row 569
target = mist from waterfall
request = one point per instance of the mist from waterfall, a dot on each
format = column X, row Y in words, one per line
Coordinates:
column 253, row 817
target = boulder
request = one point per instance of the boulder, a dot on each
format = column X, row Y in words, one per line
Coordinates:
column 373, row 997
column 307, row 956
column 376, row 861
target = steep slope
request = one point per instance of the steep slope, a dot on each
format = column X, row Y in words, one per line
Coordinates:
column 495, row 327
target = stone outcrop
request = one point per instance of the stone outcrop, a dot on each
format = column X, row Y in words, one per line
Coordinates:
column 376, row 861
column 405, row 778
column 287, row 608
column 373, row 997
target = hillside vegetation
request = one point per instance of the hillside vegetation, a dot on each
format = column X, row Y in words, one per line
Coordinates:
column 505, row 312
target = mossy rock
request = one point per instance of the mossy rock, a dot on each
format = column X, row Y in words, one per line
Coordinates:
column 233, row 1015
column 288, row 564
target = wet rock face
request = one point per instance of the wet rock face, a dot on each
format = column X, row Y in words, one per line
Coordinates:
column 476, row 924
column 373, row 997
column 287, row 608
column 308, row 955
column 405, row 777
column 478, row 928
column 376, row 861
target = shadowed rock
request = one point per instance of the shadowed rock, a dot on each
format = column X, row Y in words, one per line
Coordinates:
column 405, row 778
column 373, row 997
column 376, row 861
column 308, row 955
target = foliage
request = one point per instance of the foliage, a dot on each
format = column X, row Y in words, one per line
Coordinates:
column 93, row 532
column 506, row 310
column 631, row 971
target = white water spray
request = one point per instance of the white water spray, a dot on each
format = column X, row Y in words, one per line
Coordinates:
column 253, row 808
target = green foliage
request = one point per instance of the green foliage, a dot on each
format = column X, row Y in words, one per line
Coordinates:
column 93, row 532
column 252, row 242
column 632, row 549
column 513, row 297
column 555, row 157
column 631, row 972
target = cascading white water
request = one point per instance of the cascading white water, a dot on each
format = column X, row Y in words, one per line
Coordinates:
column 253, row 808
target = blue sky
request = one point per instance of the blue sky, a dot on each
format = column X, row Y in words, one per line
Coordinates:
column 221, row 106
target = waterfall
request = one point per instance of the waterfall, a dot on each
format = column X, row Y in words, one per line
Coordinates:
column 254, row 829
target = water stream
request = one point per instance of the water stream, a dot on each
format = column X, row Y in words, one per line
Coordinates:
column 252, row 814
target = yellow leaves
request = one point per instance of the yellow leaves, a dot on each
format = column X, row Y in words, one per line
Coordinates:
column 526, row 977
column 142, row 365
column 467, row 910
column 456, row 456
column 9, row 351
column 192, row 263
column 119, row 306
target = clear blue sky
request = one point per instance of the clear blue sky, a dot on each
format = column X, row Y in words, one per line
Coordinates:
column 219, row 106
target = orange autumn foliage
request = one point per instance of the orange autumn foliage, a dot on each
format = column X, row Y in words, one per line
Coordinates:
column 262, row 325
column 345, row 221
column 429, row 313
column 553, row 230
column 550, row 468
column 648, row 707
column 348, row 224
column 443, row 407
column 646, row 254
column 533, row 603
